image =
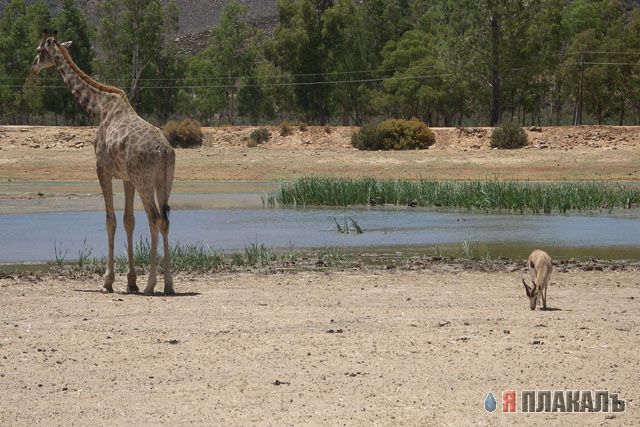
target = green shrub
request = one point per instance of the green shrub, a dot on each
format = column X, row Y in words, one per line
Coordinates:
column 509, row 136
column 260, row 136
column 185, row 134
column 394, row 135
column 286, row 128
column 367, row 138
column 303, row 127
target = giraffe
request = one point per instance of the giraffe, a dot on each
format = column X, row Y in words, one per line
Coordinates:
column 128, row 148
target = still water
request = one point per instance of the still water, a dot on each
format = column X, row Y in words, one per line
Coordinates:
column 29, row 237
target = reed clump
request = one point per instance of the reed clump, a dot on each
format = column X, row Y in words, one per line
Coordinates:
column 514, row 196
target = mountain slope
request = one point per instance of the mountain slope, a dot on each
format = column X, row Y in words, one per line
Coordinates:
column 195, row 15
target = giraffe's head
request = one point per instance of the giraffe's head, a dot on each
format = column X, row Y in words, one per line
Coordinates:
column 44, row 58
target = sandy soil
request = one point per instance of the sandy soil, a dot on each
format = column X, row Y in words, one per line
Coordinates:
column 564, row 153
column 352, row 348
column 355, row 347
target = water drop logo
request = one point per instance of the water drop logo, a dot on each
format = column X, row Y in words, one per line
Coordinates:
column 490, row 403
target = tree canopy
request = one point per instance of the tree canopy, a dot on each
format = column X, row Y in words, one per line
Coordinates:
column 447, row 62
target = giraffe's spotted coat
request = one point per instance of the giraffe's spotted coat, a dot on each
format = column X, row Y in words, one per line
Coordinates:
column 127, row 147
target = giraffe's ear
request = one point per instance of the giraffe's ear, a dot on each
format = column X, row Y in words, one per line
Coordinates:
column 66, row 44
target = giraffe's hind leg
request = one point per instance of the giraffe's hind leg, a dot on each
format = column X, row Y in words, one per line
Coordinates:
column 148, row 200
column 129, row 225
column 163, row 201
column 107, row 192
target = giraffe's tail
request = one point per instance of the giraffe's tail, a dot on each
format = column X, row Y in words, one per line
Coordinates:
column 166, row 209
column 164, row 183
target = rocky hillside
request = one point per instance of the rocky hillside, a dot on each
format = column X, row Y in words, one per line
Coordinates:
column 198, row 16
column 195, row 15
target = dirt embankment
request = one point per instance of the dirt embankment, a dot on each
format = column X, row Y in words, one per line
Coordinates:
column 354, row 348
column 558, row 153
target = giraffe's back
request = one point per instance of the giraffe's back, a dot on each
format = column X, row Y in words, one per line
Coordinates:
column 133, row 149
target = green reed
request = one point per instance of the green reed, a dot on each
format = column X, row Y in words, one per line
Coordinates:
column 517, row 196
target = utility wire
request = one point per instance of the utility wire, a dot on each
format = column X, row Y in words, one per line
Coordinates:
column 317, row 83
column 271, row 84
column 335, row 73
column 277, row 76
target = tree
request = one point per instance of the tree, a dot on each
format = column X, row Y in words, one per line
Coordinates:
column 546, row 41
column 201, row 96
column 130, row 33
column 167, row 69
column 630, row 86
column 590, row 78
column 411, row 57
column 71, row 25
column 226, row 70
column 350, row 51
column 299, row 50
column 20, row 31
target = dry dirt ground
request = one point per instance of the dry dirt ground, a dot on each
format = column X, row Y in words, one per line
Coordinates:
column 356, row 347
column 556, row 153
column 312, row 348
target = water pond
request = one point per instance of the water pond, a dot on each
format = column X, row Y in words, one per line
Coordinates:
column 30, row 237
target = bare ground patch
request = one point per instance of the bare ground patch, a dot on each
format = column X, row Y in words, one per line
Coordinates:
column 393, row 348
column 557, row 153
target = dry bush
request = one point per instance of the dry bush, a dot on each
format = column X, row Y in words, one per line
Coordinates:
column 286, row 128
column 185, row 134
column 260, row 136
column 509, row 136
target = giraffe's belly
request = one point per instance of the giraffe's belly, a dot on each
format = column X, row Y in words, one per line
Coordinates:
column 120, row 172
column 113, row 161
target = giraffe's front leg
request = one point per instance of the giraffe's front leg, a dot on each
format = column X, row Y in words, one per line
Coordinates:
column 107, row 192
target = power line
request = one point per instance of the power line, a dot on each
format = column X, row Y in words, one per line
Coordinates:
column 270, row 84
column 335, row 73
column 320, row 82
column 273, row 76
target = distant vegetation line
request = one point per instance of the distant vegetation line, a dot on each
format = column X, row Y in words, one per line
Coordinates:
column 513, row 196
column 348, row 62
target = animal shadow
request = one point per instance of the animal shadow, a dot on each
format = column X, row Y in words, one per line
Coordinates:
column 155, row 294
column 161, row 294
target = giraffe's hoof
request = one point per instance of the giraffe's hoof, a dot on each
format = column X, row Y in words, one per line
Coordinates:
column 107, row 289
column 132, row 289
column 169, row 290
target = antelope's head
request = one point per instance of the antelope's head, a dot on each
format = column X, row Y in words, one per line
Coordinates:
column 532, row 293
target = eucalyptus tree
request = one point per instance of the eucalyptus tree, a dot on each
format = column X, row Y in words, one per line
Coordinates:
column 299, row 50
column 70, row 24
column 20, row 28
column 350, row 56
column 132, row 35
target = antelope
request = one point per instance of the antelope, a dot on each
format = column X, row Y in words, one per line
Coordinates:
column 540, row 266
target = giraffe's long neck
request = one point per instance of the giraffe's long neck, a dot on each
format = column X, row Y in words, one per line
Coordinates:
column 92, row 96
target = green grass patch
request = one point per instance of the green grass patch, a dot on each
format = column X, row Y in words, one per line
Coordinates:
column 515, row 196
column 188, row 257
